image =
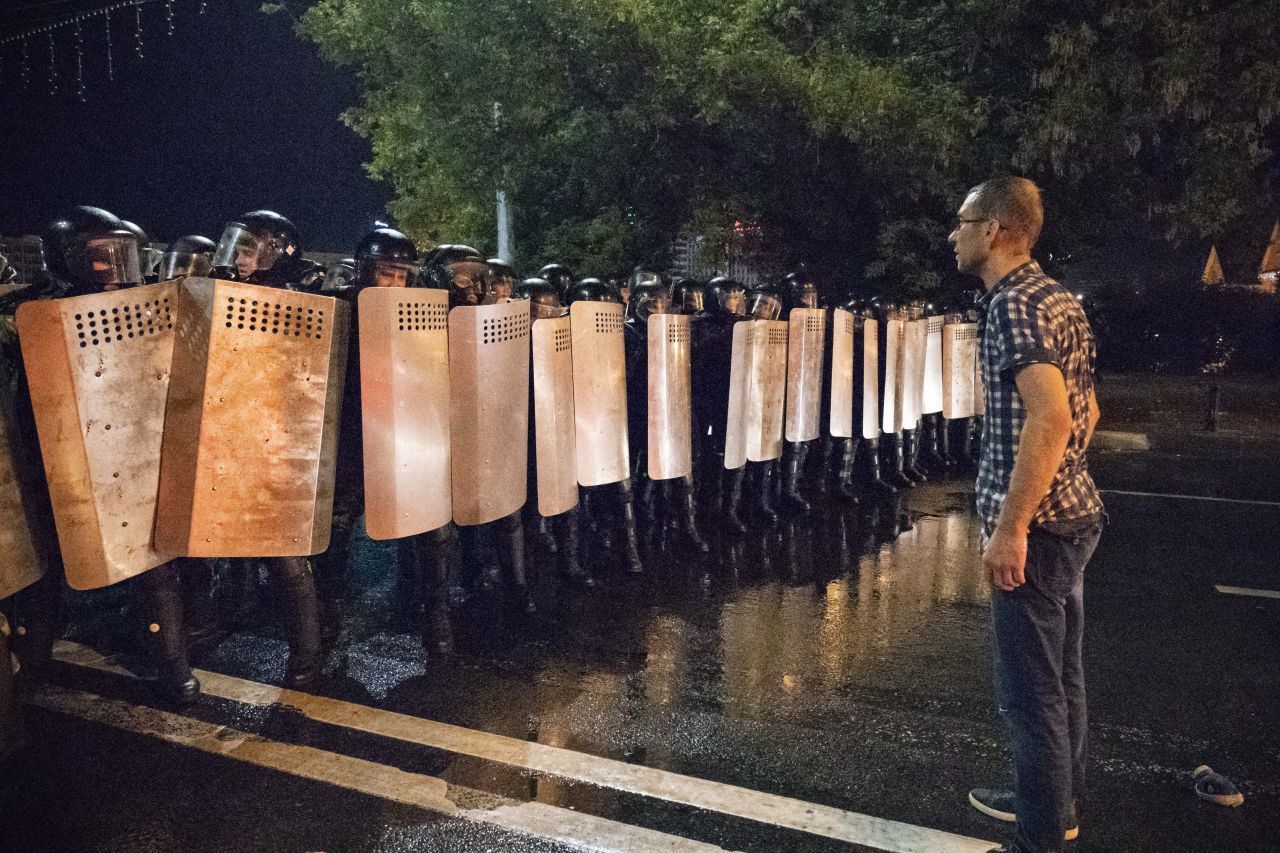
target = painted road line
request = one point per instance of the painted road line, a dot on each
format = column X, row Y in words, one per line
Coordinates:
column 366, row 777
column 773, row 809
column 1244, row 590
column 1207, row 498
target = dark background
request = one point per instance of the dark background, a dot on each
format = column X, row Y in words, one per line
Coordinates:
column 230, row 114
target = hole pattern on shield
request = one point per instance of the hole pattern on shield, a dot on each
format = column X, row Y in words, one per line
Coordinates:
column 678, row 333
column 968, row 333
column 423, row 316
column 122, row 322
column 277, row 318
column 497, row 331
column 563, row 339
column 607, row 324
column 814, row 323
column 848, row 325
column 933, row 324
column 777, row 336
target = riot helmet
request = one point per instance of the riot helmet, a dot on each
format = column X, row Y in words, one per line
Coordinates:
column 458, row 269
column 647, row 300
column 801, row 289
column 501, row 282
column 339, row 276
column 385, row 258
column 764, row 303
column 254, row 244
column 688, row 296
column 560, row 277
column 544, row 298
column 90, row 250
column 592, row 290
column 189, row 255
column 148, row 258
column 726, row 297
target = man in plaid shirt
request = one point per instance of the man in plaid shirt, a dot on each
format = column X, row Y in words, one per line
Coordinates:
column 1040, row 511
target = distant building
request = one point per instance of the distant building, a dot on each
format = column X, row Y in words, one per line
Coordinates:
column 1268, row 271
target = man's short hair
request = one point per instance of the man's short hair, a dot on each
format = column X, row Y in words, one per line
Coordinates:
column 1013, row 202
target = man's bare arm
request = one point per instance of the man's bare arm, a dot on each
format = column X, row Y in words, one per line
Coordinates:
column 1041, row 447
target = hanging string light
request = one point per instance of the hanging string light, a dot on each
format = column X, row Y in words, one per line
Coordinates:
column 137, row 29
column 79, row 61
column 111, row 66
column 168, row 15
column 53, row 68
column 26, row 65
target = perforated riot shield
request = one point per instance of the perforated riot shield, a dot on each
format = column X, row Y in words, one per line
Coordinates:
column 912, row 372
column 98, row 368
column 768, row 391
column 806, row 335
column 959, row 363
column 252, row 421
column 670, row 401
column 21, row 565
column 554, row 433
column 870, row 396
column 840, row 423
column 931, row 401
column 741, row 369
column 894, row 336
column 489, row 404
column 404, row 398
column 599, row 393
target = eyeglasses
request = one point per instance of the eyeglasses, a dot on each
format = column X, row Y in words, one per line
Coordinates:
column 959, row 222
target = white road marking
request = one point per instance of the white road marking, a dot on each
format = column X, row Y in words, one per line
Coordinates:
column 1244, row 590
column 1208, row 498
column 773, row 809
column 367, row 777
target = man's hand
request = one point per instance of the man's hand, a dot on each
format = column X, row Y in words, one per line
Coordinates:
column 1005, row 559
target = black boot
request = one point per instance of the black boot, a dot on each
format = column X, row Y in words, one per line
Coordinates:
column 828, row 476
column 942, row 433
column 631, row 546
column 569, row 556
column 792, row 499
column 930, row 454
column 162, row 604
column 911, row 455
column 687, row 516
column 844, row 473
column 510, row 532
column 875, row 479
column 763, row 484
column 37, row 620
column 330, row 578
column 429, row 555
column 732, row 496
column 963, row 444
column 296, row 589
column 892, row 444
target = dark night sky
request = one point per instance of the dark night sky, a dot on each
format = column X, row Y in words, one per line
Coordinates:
column 232, row 113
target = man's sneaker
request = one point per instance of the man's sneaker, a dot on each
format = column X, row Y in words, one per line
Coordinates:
column 1001, row 806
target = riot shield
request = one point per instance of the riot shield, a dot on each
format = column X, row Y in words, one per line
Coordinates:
column 959, row 365
column 740, row 371
column 895, row 333
column 252, row 420
column 404, row 399
column 670, row 402
column 840, row 424
column 870, row 397
column 553, row 426
column 931, row 401
column 489, row 405
column 768, row 390
column 806, row 334
column 599, row 393
column 21, row 565
column 912, row 372
column 98, row 368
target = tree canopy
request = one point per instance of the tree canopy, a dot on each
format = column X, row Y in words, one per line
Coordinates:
column 847, row 132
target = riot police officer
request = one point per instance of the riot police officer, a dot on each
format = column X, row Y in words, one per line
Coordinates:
column 560, row 277
column 765, row 302
column 712, row 365
column 189, row 255
column 384, row 258
column 261, row 247
column 502, row 280
column 800, row 293
column 461, row 271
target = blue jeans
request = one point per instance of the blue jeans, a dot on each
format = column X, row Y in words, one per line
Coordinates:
column 1039, row 674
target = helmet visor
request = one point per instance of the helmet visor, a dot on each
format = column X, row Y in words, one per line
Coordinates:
column 763, row 306
column 733, row 302
column 245, row 251
column 108, row 261
column 545, row 307
column 178, row 264
column 692, row 301
column 337, row 277
column 392, row 274
column 469, row 279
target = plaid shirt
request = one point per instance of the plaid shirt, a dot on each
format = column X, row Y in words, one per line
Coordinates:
column 1028, row 318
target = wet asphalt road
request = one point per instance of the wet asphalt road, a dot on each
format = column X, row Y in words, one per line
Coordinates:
column 842, row 659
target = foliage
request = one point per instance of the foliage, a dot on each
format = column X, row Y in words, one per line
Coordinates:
column 847, row 131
